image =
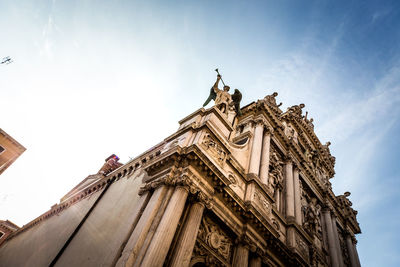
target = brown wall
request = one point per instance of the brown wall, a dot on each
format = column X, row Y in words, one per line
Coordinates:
column 11, row 153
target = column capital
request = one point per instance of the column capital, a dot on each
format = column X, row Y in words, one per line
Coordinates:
column 258, row 122
column 289, row 158
column 205, row 200
column 326, row 209
column 296, row 167
column 153, row 185
column 245, row 241
column 268, row 130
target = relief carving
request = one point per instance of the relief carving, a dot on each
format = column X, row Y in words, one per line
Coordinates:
column 214, row 148
column 262, row 202
column 202, row 255
column 275, row 176
column 212, row 234
column 311, row 217
column 290, row 132
column 302, row 247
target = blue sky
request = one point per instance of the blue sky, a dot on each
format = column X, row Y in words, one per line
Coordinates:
column 91, row 78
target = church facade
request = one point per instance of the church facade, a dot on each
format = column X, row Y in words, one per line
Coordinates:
column 224, row 190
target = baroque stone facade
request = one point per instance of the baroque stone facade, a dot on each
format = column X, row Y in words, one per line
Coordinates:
column 247, row 190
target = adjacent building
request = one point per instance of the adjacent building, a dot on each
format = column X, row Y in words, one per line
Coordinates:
column 224, row 190
column 10, row 150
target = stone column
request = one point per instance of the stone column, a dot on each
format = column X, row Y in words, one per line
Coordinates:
column 297, row 196
column 241, row 258
column 255, row 262
column 158, row 249
column 356, row 253
column 350, row 249
column 278, row 199
column 139, row 234
column 331, row 238
column 187, row 238
column 255, row 156
column 289, row 189
column 337, row 242
column 265, row 156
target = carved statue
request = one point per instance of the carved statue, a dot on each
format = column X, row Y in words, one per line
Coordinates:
column 309, row 155
column 326, row 147
column 290, row 132
column 308, row 121
column 276, row 174
column 271, row 101
column 296, row 110
column 223, row 100
column 311, row 217
column 236, row 98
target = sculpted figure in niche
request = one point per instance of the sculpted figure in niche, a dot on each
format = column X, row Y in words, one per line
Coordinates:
column 311, row 220
column 309, row 155
column 290, row 132
column 315, row 159
column 275, row 178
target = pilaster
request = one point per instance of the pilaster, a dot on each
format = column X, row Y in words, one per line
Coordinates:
column 241, row 256
column 255, row 156
column 350, row 249
column 141, row 230
column 331, row 237
column 289, row 188
column 255, row 261
column 187, row 238
column 158, row 249
column 264, row 167
column 297, row 195
column 337, row 242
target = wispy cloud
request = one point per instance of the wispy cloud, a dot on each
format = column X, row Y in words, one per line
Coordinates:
column 379, row 14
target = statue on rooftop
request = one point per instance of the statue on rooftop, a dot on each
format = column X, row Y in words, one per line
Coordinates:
column 223, row 100
column 296, row 110
column 271, row 101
